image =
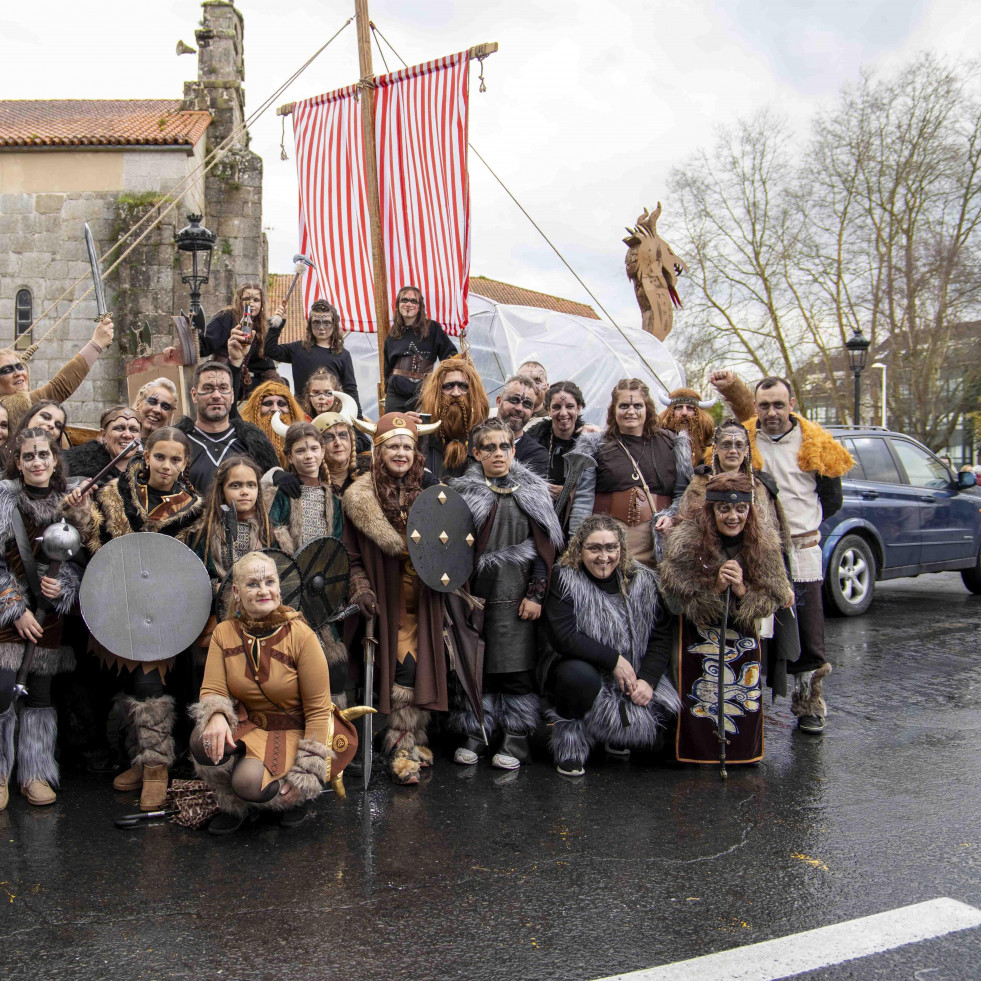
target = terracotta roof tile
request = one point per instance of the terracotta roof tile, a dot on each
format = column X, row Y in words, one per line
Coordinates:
column 296, row 321
column 506, row 293
column 100, row 122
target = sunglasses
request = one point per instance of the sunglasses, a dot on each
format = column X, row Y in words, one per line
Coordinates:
column 494, row 447
column 154, row 401
column 740, row 509
column 518, row 400
column 449, row 386
column 9, row 369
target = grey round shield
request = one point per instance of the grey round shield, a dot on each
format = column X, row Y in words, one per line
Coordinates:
column 145, row 596
column 442, row 538
column 326, row 571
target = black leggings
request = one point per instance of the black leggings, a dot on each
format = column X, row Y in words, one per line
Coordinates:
column 38, row 690
column 145, row 682
column 510, row 683
column 575, row 685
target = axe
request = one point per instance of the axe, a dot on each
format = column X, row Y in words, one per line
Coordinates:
column 301, row 263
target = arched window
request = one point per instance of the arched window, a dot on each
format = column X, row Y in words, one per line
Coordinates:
column 23, row 318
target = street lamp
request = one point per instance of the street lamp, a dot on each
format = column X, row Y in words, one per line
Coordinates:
column 885, row 370
column 858, row 351
column 194, row 246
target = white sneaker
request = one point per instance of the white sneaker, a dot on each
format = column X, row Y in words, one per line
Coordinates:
column 621, row 751
column 504, row 762
column 467, row 757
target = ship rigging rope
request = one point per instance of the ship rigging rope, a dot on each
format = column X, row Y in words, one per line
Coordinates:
column 538, row 229
column 175, row 195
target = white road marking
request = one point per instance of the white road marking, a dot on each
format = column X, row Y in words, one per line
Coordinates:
column 813, row 949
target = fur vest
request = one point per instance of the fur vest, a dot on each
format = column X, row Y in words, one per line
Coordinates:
column 118, row 509
column 289, row 536
column 87, row 459
column 691, row 564
column 819, row 453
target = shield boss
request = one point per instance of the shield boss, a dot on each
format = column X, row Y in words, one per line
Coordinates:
column 326, row 570
column 145, row 597
column 441, row 537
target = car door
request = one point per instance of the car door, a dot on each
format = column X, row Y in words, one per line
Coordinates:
column 945, row 535
column 888, row 503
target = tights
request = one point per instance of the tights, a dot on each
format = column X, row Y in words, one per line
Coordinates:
column 575, row 685
column 146, row 682
column 38, row 690
column 246, row 773
column 510, row 683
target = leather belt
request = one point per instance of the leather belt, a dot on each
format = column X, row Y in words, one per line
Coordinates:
column 629, row 506
column 805, row 539
column 414, row 375
column 274, row 721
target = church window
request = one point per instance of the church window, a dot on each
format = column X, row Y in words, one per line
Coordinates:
column 23, row 318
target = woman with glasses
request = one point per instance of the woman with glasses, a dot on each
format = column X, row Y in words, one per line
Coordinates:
column 156, row 402
column 118, row 427
column 412, row 347
column 247, row 312
column 723, row 567
column 16, row 395
column 640, row 474
column 321, row 349
column 609, row 641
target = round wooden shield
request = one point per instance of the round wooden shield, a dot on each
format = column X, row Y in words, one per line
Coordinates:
column 326, row 571
column 145, row 597
column 441, row 537
column 290, row 584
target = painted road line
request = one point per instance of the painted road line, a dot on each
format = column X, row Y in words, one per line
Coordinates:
column 824, row 947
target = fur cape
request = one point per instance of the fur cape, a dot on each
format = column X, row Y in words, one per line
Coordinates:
column 624, row 623
column 691, row 564
column 361, row 505
column 117, row 510
column 533, row 498
column 87, row 459
column 41, row 512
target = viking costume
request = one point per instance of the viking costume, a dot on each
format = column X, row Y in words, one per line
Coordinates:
column 694, row 554
column 636, row 479
column 35, row 754
column 408, row 359
column 128, row 504
column 251, row 413
column 209, row 449
column 700, row 428
column 590, row 623
column 88, row 460
column 410, row 658
column 518, row 533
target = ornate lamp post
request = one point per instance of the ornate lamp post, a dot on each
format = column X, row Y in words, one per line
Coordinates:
column 194, row 246
column 857, row 347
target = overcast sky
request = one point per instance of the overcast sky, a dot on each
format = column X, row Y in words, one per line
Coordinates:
column 589, row 103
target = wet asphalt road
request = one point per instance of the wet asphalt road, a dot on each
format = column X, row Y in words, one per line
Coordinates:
column 483, row 874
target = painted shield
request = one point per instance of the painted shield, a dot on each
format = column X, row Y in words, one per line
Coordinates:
column 326, row 571
column 145, row 597
column 441, row 538
column 290, row 584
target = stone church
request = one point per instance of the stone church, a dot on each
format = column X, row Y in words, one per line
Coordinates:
column 109, row 162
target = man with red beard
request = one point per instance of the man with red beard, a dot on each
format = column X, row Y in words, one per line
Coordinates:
column 685, row 412
column 454, row 394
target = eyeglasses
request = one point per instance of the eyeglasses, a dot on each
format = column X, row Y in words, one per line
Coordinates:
column 732, row 444
column 9, row 369
column 518, row 400
column 449, row 386
column 153, row 400
column 741, row 509
column 610, row 549
column 494, row 447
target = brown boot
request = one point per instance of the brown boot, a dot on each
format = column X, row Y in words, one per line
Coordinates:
column 39, row 793
column 131, row 779
column 4, row 794
column 154, row 793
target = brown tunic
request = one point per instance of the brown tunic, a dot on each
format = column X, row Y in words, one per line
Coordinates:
column 59, row 389
column 289, row 665
column 654, row 455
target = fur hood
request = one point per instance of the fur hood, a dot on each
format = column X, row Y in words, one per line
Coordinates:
column 117, row 510
column 690, row 566
column 819, row 453
column 361, row 505
column 532, row 496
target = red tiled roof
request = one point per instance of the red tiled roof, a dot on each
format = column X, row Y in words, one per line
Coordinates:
column 506, row 293
column 296, row 321
column 100, row 122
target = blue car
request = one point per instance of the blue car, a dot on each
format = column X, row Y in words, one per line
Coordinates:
column 904, row 513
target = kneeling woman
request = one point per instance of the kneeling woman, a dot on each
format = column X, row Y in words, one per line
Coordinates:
column 32, row 496
column 263, row 723
column 725, row 563
column 155, row 496
column 610, row 640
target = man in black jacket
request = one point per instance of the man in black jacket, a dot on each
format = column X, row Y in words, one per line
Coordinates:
column 213, row 434
column 515, row 405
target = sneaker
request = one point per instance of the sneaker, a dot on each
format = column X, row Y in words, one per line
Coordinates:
column 571, row 768
column 464, row 756
column 224, row 823
column 621, row 752
column 813, row 724
column 505, row 762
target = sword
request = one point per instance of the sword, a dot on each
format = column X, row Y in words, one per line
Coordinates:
column 367, row 729
column 100, row 293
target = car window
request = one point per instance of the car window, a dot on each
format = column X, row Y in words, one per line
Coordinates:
column 857, row 472
column 921, row 468
column 876, row 460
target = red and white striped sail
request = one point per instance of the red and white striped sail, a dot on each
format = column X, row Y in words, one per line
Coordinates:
column 424, row 192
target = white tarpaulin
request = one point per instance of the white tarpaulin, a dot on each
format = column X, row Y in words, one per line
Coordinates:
column 588, row 352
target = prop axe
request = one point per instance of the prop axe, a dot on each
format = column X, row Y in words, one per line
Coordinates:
column 301, row 264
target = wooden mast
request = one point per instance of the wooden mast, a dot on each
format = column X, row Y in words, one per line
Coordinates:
column 367, row 96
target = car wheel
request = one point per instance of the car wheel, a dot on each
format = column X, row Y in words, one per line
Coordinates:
column 850, row 580
column 972, row 577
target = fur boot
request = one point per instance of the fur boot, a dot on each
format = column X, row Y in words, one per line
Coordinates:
column 568, row 738
column 399, row 740
column 465, row 721
column 518, row 714
column 218, row 779
column 8, row 722
column 153, row 722
column 36, row 746
column 808, row 696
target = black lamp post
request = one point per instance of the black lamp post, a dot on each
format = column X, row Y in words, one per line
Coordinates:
column 858, row 352
column 195, row 244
